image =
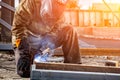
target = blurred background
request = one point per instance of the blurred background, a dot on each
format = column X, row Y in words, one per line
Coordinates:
column 97, row 22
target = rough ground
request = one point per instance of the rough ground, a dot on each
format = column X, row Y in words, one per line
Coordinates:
column 7, row 64
column 7, row 67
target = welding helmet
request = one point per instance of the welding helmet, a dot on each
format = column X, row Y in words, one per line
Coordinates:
column 52, row 10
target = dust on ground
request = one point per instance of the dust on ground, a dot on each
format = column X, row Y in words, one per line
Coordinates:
column 8, row 70
column 7, row 67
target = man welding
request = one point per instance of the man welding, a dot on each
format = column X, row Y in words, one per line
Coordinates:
column 39, row 24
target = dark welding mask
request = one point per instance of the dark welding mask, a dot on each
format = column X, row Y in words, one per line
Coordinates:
column 52, row 10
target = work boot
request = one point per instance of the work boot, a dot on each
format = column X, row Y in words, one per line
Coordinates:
column 23, row 58
column 23, row 68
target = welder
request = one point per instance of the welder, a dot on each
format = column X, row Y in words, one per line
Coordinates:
column 37, row 23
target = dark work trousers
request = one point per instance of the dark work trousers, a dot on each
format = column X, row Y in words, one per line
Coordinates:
column 66, row 37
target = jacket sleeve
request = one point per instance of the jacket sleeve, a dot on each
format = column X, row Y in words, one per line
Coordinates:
column 22, row 18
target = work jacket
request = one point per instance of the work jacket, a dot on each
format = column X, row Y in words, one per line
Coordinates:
column 28, row 20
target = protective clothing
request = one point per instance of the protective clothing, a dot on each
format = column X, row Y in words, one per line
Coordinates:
column 36, row 24
column 31, row 17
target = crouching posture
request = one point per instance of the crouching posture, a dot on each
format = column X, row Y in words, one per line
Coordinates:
column 39, row 24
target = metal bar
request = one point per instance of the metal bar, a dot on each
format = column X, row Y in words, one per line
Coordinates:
column 89, row 19
column 7, row 6
column 83, row 51
column 77, row 14
column 77, row 67
column 5, row 46
column 95, row 18
column 94, row 51
column 90, row 10
column 5, row 24
column 102, row 19
column 40, row 74
column 83, row 18
column 111, row 10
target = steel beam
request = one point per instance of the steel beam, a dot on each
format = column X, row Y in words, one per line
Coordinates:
column 43, row 74
column 7, row 10
column 5, row 46
column 83, row 51
column 77, row 67
column 94, row 51
column 7, row 6
column 5, row 24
